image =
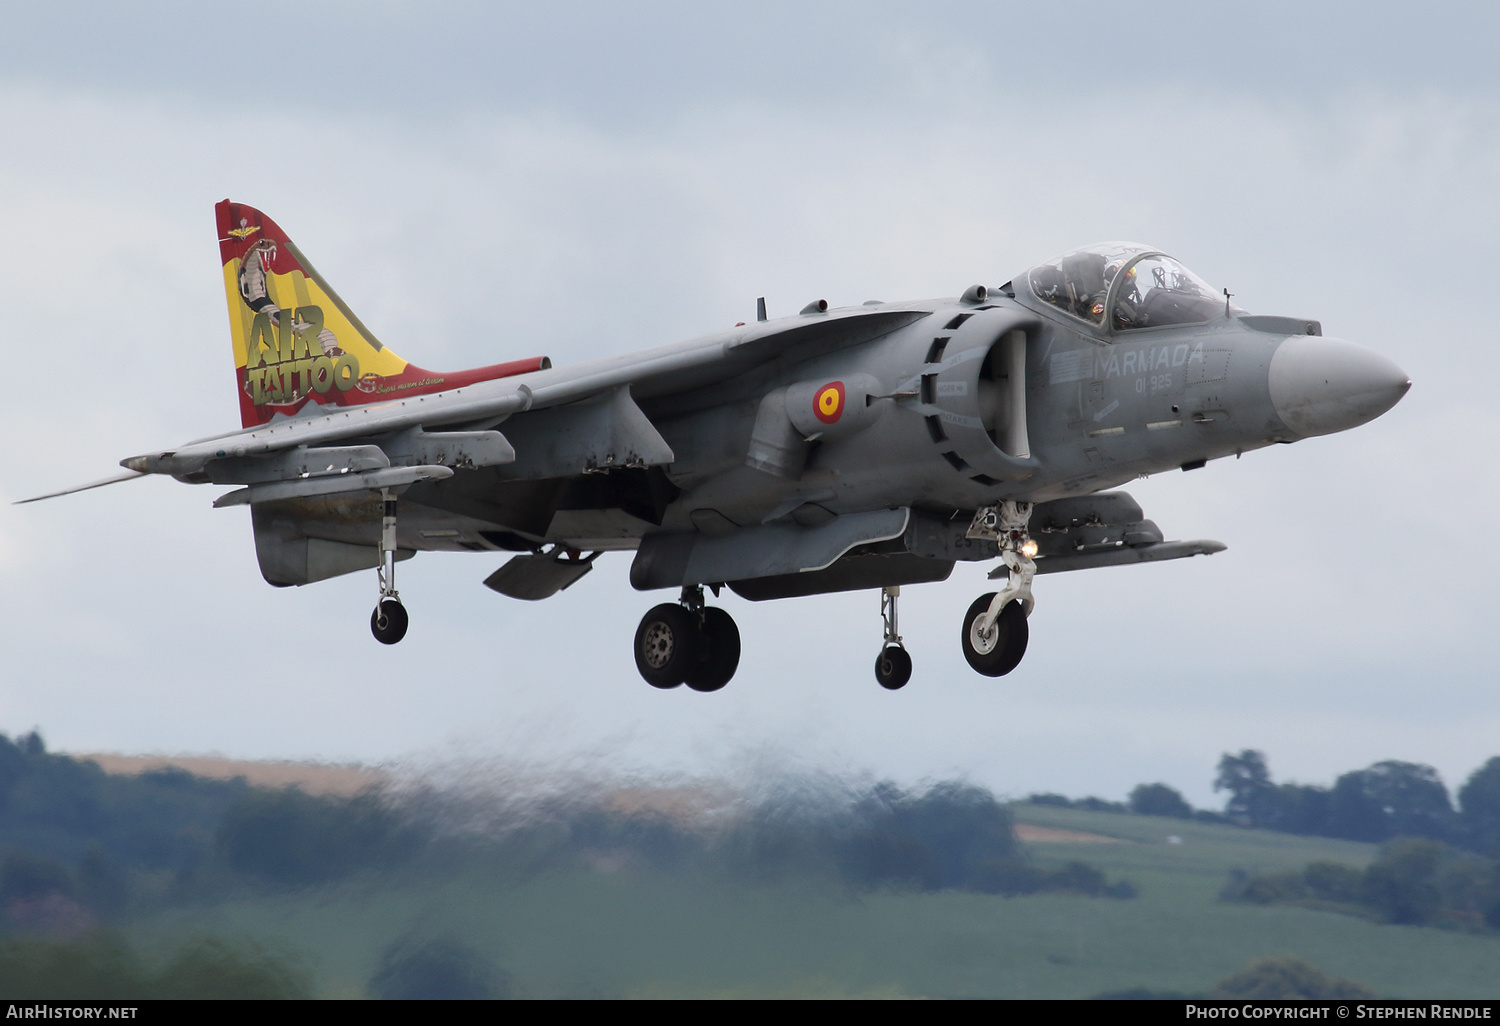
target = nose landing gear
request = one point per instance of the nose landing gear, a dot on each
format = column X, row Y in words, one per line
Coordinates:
column 893, row 665
column 995, row 628
column 389, row 620
column 994, row 645
column 687, row 643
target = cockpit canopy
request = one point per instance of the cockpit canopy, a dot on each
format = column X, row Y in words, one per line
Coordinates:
column 1124, row 286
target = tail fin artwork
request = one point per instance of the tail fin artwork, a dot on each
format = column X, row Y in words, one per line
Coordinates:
column 296, row 342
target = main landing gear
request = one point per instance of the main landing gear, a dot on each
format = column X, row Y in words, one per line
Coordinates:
column 389, row 621
column 893, row 665
column 994, row 629
column 687, row 643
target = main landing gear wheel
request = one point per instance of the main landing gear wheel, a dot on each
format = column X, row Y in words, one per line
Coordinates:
column 893, row 667
column 389, row 621
column 997, row 651
column 668, row 645
column 720, row 655
column 687, row 643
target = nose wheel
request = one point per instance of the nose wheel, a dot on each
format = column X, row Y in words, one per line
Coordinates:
column 994, row 648
column 687, row 643
column 995, row 629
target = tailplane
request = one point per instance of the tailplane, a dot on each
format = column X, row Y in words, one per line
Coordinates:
column 296, row 342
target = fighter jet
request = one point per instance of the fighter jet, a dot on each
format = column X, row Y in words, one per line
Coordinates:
column 864, row 447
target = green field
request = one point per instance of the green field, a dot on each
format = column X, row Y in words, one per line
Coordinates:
column 634, row 930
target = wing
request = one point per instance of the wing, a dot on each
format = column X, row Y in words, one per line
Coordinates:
column 614, row 381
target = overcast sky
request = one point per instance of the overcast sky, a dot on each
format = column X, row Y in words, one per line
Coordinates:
column 491, row 181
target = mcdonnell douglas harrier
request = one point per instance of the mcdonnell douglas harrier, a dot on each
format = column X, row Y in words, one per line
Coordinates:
column 863, row 447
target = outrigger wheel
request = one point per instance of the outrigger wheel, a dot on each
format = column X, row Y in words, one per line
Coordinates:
column 893, row 667
column 389, row 621
column 997, row 651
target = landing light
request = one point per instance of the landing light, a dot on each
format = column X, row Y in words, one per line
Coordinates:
column 1028, row 548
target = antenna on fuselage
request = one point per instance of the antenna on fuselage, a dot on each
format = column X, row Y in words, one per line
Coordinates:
column 760, row 308
column 1227, row 294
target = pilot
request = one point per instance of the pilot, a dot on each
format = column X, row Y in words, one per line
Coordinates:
column 1084, row 274
column 1047, row 283
column 1128, row 313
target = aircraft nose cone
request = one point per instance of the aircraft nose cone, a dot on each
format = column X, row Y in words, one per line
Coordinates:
column 1322, row 385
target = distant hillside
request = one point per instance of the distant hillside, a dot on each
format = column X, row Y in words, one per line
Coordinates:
column 380, row 885
column 344, row 780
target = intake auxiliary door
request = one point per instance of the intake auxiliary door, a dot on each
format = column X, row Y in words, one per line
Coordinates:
column 975, row 386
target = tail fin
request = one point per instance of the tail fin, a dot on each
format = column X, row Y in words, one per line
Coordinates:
column 295, row 341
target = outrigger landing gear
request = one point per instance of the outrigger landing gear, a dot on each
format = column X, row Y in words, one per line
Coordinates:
column 893, row 665
column 389, row 621
column 687, row 643
column 995, row 628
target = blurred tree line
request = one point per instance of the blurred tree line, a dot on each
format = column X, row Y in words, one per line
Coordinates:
column 950, row 837
column 79, row 846
column 1386, row 800
column 1144, row 800
column 1389, row 799
column 81, row 849
column 1439, row 864
column 1279, row 978
column 101, row 963
column 1414, row 881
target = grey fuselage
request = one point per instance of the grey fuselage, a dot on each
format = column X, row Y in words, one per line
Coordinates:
column 947, row 406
